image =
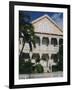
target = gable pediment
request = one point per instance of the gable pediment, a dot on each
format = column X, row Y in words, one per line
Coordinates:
column 45, row 24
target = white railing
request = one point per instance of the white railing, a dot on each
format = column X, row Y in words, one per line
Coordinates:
column 42, row 48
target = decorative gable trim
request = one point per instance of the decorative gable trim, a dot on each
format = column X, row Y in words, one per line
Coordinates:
column 46, row 16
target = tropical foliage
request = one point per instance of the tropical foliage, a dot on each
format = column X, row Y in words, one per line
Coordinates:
column 38, row 68
column 26, row 33
column 26, row 67
column 60, row 63
column 59, row 66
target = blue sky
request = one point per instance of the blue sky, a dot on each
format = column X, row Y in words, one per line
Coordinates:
column 57, row 17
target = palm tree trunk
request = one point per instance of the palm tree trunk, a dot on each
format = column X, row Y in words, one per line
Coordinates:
column 47, row 62
column 22, row 49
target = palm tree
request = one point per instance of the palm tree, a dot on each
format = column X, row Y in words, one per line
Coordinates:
column 26, row 31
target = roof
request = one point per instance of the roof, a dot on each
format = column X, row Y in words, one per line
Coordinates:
column 57, row 30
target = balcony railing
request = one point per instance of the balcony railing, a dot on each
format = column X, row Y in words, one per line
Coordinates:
column 42, row 48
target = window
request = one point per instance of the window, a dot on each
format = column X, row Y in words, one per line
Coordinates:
column 45, row 41
column 36, row 56
column 45, row 56
column 37, row 40
column 54, row 41
column 54, row 57
column 25, row 55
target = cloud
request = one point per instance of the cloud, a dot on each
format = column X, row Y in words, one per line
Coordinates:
column 58, row 19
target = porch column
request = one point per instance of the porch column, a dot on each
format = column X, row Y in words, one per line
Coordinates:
column 41, row 40
column 50, row 63
column 49, row 40
column 30, row 55
column 40, row 55
column 58, row 41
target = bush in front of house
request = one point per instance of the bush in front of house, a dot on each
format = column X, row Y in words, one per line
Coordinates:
column 38, row 68
column 54, row 68
column 25, row 67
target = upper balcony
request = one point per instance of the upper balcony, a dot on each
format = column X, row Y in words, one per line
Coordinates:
column 44, row 45
column 42, row 48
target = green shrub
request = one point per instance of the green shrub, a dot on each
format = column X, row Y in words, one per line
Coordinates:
column 60, row 65
column 38, row 68
column 54, row 68
column 25, row 68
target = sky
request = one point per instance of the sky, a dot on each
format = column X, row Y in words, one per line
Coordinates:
column 57, row 17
